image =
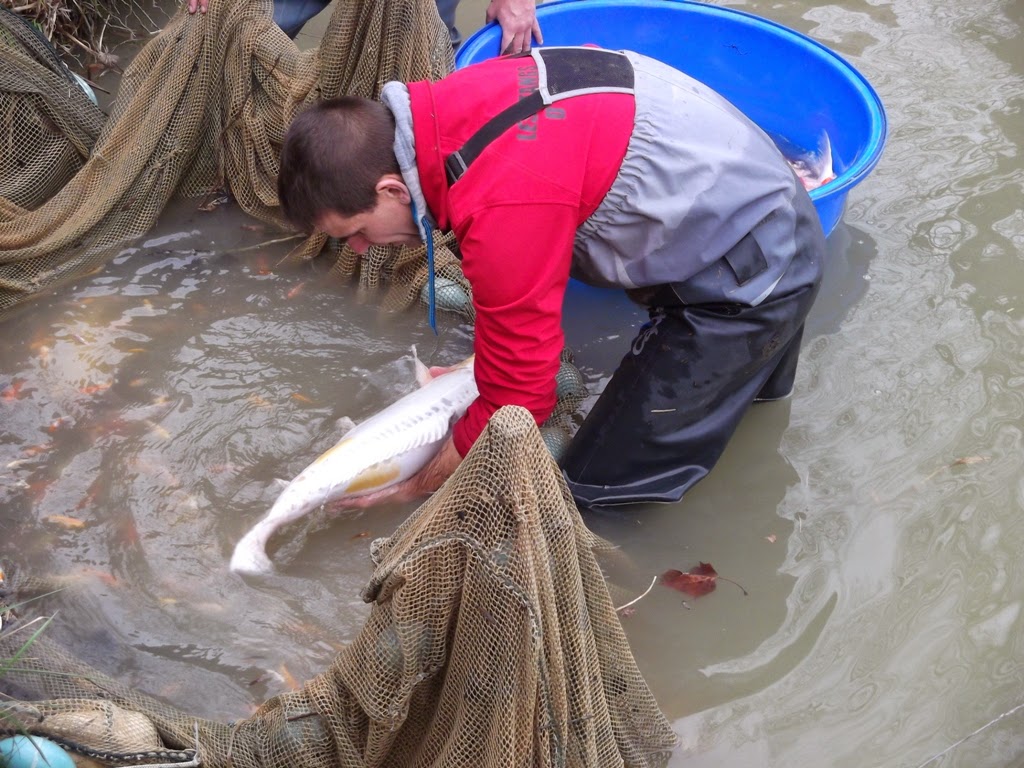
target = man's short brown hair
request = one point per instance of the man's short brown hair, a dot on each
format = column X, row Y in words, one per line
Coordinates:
column 334, row 154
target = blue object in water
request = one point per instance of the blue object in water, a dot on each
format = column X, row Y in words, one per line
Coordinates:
column 33, row 752
column 292, row 15
column 787, row 83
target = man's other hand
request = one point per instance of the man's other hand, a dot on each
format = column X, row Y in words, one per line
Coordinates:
column 519, row 25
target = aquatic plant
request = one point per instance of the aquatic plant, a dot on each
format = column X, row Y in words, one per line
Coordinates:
column 11, row 624
column 80, row 28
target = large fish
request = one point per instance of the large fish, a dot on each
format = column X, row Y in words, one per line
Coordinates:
column 387, row 448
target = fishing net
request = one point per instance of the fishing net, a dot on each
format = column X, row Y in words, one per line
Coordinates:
column 49, row 125
column 491, row 640
column 201, row 109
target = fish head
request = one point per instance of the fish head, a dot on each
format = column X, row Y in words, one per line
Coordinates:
column 812, row 167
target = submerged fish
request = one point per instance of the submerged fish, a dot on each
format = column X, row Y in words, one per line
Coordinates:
column 386, row 449
column 814, row 169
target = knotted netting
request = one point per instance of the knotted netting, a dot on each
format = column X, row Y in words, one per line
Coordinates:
column 203, row 107
column 491, row 641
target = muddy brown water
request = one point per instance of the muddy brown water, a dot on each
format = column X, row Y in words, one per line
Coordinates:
column 875, row 518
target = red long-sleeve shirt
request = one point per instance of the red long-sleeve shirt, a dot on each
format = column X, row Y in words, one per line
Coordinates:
column 515, row 214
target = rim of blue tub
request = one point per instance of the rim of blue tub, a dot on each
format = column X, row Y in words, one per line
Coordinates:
column 479, row 43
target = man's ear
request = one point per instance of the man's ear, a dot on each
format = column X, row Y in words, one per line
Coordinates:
column 392, row 186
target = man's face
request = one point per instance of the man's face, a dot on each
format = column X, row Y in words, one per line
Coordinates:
column 389, row 222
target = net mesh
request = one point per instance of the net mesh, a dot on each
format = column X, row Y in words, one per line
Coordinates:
column 203, row 107
column 491, row 640
column 49, row 125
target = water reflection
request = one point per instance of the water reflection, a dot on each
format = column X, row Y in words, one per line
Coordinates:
column 850, row 252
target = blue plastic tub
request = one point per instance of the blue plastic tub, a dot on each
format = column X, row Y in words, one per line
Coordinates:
column 790, row 85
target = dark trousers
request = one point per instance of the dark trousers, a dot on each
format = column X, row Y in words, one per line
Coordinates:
column 691, row 373
column 292, row 15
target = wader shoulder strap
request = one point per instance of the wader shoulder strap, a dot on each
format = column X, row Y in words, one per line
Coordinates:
column 562, row 73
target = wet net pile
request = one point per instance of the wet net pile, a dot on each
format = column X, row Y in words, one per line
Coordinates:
column 202, row 108
column 49, row 124
column 491, row 641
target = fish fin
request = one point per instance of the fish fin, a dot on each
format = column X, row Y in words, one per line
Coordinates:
column 280, row 482
column 825, row 172
column 344, row 425
column 423, row 376
column 428, row 431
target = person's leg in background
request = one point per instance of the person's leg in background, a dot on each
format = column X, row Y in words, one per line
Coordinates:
column 446, row 10
column 292, row 15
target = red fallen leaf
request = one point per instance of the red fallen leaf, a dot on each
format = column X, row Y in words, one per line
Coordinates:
column 696, row 582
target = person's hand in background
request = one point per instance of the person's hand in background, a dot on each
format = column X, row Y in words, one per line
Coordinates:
column 518, row 20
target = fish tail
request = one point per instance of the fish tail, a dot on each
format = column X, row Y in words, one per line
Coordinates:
column 250, row 556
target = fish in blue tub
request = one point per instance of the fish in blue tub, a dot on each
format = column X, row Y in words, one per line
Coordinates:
column 812, row 167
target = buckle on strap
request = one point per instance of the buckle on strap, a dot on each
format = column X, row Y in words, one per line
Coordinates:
column 454, row 166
